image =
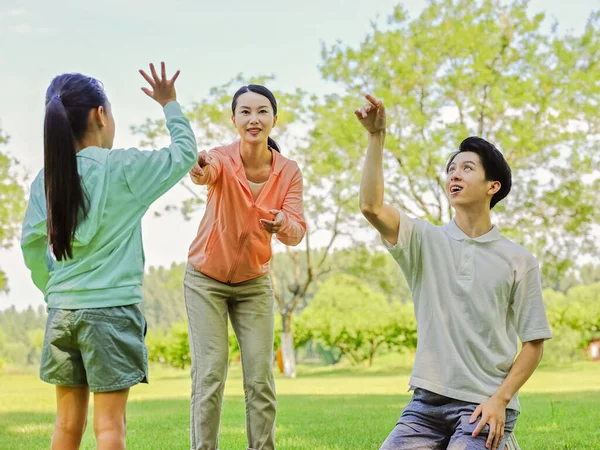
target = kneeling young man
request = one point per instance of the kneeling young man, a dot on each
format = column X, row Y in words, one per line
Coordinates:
column 475, row 294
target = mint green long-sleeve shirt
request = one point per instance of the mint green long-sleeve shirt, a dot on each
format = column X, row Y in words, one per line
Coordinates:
column 107, row 267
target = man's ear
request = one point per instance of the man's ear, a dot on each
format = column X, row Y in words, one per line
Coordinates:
column 494, row 187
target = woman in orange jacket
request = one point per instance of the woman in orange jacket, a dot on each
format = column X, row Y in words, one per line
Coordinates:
column 253, row 193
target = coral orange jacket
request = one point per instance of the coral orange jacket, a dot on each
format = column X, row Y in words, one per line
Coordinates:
column 231, row 246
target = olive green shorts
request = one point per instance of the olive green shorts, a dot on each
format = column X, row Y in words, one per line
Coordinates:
column 102, row 348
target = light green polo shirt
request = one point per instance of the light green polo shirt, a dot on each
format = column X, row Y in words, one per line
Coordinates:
column 474, row 299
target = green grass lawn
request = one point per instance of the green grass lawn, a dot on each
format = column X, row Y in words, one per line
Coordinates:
column 323, row 409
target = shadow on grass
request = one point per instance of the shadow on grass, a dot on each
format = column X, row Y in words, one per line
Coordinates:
column 549, row 421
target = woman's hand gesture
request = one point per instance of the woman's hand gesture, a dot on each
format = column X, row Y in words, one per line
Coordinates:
column 273, row 226
column 203, row 161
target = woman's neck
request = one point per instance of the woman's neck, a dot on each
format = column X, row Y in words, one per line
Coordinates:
column 255, row 156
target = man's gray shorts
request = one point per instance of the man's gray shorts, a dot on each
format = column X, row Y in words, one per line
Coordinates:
column 434, row 422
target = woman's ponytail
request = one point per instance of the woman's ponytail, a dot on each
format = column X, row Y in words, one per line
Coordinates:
column 271, row 142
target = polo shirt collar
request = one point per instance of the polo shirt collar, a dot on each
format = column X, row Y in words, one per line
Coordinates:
column 457, row 234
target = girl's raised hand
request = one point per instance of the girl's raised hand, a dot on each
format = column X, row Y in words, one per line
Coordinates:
column 163, row 90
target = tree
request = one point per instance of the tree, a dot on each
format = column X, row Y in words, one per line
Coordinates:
column 329, row 206
column 12, row 203
column 466, row 67
column 373, row 267
column 583, row 311
column 347, row 314
column 22, row 335
column 164, row 303
column 170, row 347
column 574, row 319
column 35, row 340
column 590, row 273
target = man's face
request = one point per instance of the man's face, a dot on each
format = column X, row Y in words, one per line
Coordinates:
column 466, row 184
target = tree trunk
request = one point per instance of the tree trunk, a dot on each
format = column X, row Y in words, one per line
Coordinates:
column 374, row 347
column 287, row 347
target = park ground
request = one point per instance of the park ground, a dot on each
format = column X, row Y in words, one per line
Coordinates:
column 325, row 408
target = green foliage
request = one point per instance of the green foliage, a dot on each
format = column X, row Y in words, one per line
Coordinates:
column 164, row 302
column 582, row 311
column 12, row 203
column 156, row 343
column 302, row 332
column 171, row 347
column 564, row 347
column 234, row 346
column 374, row 267
column 35, row 343
column 401, row 331
column 348, row 315
column 287, row 269
column 178, row 348
column 328, row 329
column 35, row 338
column 487, row 68
column 16, row 353
column 590, row 273
column 575, row 320
column 22, row 335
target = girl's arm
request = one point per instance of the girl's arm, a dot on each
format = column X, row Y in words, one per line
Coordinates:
column 34, row 242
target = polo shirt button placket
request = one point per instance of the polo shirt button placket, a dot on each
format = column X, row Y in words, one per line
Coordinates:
column 466, row 263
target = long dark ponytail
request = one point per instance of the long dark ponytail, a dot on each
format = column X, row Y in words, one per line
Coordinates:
column 69, row 99
column 258, row 89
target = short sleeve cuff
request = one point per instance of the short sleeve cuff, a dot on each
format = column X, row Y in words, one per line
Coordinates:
column 404, row 233
column 536, row 336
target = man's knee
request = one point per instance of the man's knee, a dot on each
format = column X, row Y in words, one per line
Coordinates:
column 413, row 435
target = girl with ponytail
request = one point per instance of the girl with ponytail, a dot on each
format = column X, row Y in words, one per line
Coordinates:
column 254, row 192
column 82, row 242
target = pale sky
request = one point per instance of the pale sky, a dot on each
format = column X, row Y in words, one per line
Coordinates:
column 209, row 41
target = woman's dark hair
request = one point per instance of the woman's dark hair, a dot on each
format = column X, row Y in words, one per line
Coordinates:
column 494, row 165
column 69, row 100
column 258, row 89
